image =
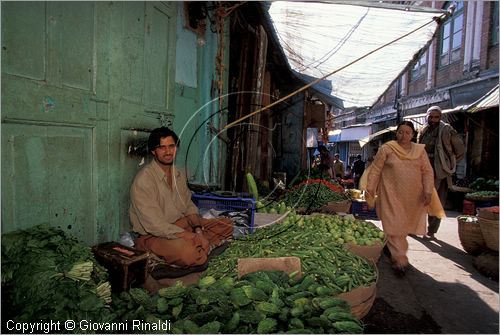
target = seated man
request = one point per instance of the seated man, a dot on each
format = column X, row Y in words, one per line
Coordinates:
column 162, row 212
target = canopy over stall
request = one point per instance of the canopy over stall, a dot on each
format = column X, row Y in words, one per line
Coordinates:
column 489, row 100
column 369, row 138
column 319, row 38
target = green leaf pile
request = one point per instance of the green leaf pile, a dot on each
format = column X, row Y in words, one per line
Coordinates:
column 260, row 302
column 311, row 196
column 49, row 275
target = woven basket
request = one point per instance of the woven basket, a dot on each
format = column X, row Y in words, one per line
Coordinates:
column 361, row 298
column 489, row 229
column 371, row 252
column 470, row 235
column 337, row 207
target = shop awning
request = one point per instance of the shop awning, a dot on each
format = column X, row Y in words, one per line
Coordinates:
column 369, row 138
column 355, row 133
column 334, row 136
column 489, row 100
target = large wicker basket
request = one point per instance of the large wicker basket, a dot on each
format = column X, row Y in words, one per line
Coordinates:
column 337, row 207
column 471, row 237
column 489, row 229
column 361, row 298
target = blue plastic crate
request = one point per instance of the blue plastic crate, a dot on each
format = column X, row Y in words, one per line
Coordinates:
column 360, row 210
column 236, row 204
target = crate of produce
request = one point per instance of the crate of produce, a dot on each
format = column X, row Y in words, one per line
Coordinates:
column 127, row 267
column 240, row 209
column 471, row 207
column 483, row 196
column 360, row 209
column 469, row 233
column 489, row 213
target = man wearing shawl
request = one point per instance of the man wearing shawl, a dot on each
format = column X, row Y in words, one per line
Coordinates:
column 444, row 149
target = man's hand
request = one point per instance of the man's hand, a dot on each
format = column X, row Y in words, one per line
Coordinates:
column 427, row 198
column 195, row 222
column 190, row 223
column 187, row 235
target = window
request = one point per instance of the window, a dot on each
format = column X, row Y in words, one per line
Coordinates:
column 451, row 36
column 419, row 68
column 494, row 23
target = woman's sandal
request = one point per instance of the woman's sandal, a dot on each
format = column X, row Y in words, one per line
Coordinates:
column 386, row 250
column 399, row 271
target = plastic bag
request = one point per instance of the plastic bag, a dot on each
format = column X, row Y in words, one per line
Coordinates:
column 127, row 239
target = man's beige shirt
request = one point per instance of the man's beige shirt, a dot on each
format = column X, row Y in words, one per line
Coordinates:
column 154, row 206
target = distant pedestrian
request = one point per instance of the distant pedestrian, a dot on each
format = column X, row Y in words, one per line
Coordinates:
column 326, row 162
column 402, row 179
column 444, row 149
column 358, row 167
column 338, row 166
column 348, row 172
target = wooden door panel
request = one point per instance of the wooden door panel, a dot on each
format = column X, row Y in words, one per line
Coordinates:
column 77, row 47
column 23, row 39
column 47, row 178
column 132, row 52
column 156, row 53
column 31, row 100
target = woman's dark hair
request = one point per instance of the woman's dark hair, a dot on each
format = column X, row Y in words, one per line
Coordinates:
column 159, row 133
column 406, row 123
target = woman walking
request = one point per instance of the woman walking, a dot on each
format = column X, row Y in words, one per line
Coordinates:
column 402, row 178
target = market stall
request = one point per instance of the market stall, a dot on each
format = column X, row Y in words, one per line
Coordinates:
column 332, row 291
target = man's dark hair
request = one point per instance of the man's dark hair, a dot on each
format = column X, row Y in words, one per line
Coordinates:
column 159, row 133
column 358, row 156
column 322, row 148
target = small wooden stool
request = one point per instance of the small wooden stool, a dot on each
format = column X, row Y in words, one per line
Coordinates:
column 126, row 266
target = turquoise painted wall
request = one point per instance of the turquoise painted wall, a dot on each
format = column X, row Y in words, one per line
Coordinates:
column 198, row 114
